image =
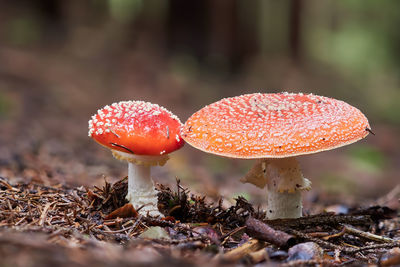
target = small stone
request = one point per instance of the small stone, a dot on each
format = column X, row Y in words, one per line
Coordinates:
column 277, row 255
column 305, row 251
column 337, row 209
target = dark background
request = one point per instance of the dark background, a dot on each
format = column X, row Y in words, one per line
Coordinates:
column 62, row 60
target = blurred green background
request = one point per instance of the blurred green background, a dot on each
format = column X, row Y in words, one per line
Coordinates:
column 61, row 60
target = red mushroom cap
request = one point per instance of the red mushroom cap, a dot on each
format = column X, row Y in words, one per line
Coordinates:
column 274, row 125
column 136, row 127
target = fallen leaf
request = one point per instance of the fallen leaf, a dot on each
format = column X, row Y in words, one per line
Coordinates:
column 124, row 212
column 155, row 232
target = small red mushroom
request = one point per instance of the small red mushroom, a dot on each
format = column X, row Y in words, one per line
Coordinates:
column 143, row 134
column 275, row 128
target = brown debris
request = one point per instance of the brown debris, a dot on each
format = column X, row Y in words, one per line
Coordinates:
column 259, row 230
column 125, row 211
column 258, row 256
column 350, row 229
column 109, row 197
column 44, row 213
column 77, row 218
column 239, row 252
column 196, row 209
column 324, row 219
column 376, row 213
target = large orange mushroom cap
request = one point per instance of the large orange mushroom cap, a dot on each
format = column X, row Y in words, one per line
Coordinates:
column 136, row 127
column 274, row 125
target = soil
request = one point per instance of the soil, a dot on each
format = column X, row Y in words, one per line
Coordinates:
column 46, row 225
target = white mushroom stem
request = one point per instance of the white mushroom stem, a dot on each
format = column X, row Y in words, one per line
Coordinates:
column 281, row 205
column 284, row 182
column 141, row 191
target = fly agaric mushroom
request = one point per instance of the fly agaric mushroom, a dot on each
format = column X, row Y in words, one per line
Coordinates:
column 142, row 134
column 275, row 128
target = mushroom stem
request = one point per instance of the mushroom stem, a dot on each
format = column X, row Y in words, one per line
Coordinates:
column 285, row 182
column 141, row 191
column 281, row 205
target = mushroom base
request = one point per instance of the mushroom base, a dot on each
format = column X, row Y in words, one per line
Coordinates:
column 141, row 191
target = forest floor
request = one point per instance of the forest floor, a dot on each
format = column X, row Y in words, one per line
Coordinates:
column 63, row 226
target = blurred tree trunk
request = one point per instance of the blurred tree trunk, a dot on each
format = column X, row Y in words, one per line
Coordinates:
column 187, row 27
column 273, row 27
column 150, row 25
column 222, row 43
column 219, row 33
column 232, row 33
column 295, row 29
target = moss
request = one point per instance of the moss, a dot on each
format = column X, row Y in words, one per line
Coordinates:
column 334, row 183
column 367, row 158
